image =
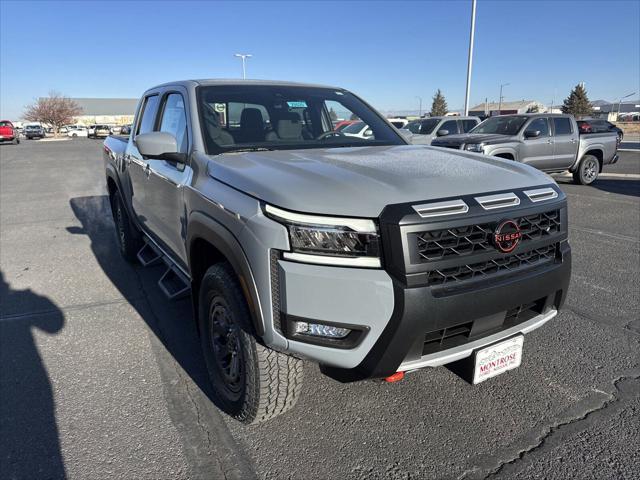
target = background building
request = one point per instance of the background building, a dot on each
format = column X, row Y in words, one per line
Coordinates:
column 110, row 111
column 506, row 108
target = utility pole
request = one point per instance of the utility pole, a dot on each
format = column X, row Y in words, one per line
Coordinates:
column 470, row 58
column 500, row 100
column 620, row 103
column 244, row 57
column 420, row 98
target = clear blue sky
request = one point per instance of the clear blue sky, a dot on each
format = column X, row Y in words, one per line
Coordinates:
column 388, row 52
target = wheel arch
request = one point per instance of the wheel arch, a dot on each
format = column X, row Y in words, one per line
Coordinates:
column 209, row 242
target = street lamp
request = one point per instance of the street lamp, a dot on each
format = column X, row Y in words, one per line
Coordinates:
column 620, row 103
column 470, row 57
column 500, row 101
column 420, row 98
column 244, row 57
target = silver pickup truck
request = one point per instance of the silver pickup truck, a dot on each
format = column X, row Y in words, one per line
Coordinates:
column 367, row 256
column 549, row 142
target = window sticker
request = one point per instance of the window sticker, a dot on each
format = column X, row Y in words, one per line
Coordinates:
column 297, row 104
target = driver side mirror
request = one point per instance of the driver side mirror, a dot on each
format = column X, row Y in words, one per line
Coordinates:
column 368, row 133
column 532, row 134
column 442, row 133
column 160, row 145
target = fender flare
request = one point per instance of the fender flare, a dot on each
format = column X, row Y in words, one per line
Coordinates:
column 201, row 226
column 510, row 151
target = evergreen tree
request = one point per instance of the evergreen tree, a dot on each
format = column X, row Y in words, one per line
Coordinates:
column 333, row 114
column 439, row 105
column 577, row 103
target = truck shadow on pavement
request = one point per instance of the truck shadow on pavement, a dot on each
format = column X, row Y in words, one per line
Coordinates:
column 170, row 321
column 29, row 440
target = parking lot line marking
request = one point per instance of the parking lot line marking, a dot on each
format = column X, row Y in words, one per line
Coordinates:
column 605, row 234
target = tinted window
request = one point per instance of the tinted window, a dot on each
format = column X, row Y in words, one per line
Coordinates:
column 428, row 126
column 504, row 125
column 148, row 114
column 451, row 126
column 540, row 124
column 413, row 127
column 174, row 120
column 286, row 117
column 562, row 125
column 468, row 125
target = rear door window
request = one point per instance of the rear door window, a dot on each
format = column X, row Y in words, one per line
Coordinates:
column 149, row 110
column 562, row 126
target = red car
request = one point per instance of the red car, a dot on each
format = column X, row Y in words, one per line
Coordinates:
column 342, row 124
column 8, row 133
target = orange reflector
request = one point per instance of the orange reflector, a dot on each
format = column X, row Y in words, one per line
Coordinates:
column 396, row 377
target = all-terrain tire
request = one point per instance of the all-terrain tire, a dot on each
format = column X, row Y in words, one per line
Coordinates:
column 251, row 382
column 587, row 171
column 127, row 235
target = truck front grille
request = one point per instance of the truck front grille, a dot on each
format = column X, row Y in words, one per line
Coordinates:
column 478, row 270
column 470, row 239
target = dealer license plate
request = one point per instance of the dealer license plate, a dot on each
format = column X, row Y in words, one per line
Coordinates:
column 498, row 358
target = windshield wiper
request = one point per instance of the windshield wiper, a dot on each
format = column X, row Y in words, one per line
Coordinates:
column 249, row 149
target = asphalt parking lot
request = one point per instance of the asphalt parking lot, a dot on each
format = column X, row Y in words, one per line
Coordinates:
column 101, row 377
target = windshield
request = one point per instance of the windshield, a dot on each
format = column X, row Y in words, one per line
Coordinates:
column 501, row 125
column 257, row 117
column 33, row 127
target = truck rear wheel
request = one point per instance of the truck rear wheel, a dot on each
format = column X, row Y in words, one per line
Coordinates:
column 128, row 237
column 251, row 383
column 587, row 170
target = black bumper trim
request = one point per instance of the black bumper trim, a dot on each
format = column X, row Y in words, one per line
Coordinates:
column 417, row 311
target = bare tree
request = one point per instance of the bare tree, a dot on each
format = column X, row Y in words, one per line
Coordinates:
column 55, row 110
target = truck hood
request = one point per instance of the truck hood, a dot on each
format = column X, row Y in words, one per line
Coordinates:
column 466, row 138
column 361, row 181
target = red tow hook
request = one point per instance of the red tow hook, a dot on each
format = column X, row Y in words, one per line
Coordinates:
column 396, row 377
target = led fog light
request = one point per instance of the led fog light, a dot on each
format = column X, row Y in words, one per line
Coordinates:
column 318, row 330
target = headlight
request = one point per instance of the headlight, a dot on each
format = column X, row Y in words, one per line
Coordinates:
column 329, row 240
column 474, row 147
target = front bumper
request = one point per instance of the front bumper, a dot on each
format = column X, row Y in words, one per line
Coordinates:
column 482, row 315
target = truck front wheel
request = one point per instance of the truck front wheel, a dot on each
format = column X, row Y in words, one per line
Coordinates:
column 587, row 171
column 251, row 383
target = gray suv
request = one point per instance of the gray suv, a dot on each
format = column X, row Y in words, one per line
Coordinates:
column 367, row 256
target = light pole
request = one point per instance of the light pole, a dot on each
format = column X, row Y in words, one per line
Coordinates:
column 244, row 57
column 470, row 59
column 500, row 101
column 420, row 98
column 620, row 103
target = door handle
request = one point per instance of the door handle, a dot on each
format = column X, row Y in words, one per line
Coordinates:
column 573, row 140
column 550, row 141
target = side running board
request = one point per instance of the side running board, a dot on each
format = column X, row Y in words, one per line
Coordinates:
column 149, row 254
column 173, row 283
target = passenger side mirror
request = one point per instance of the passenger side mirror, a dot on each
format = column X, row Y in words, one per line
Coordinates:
column 368, row 133
column 442, row 133
column 159, row 145
column 532, row 134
